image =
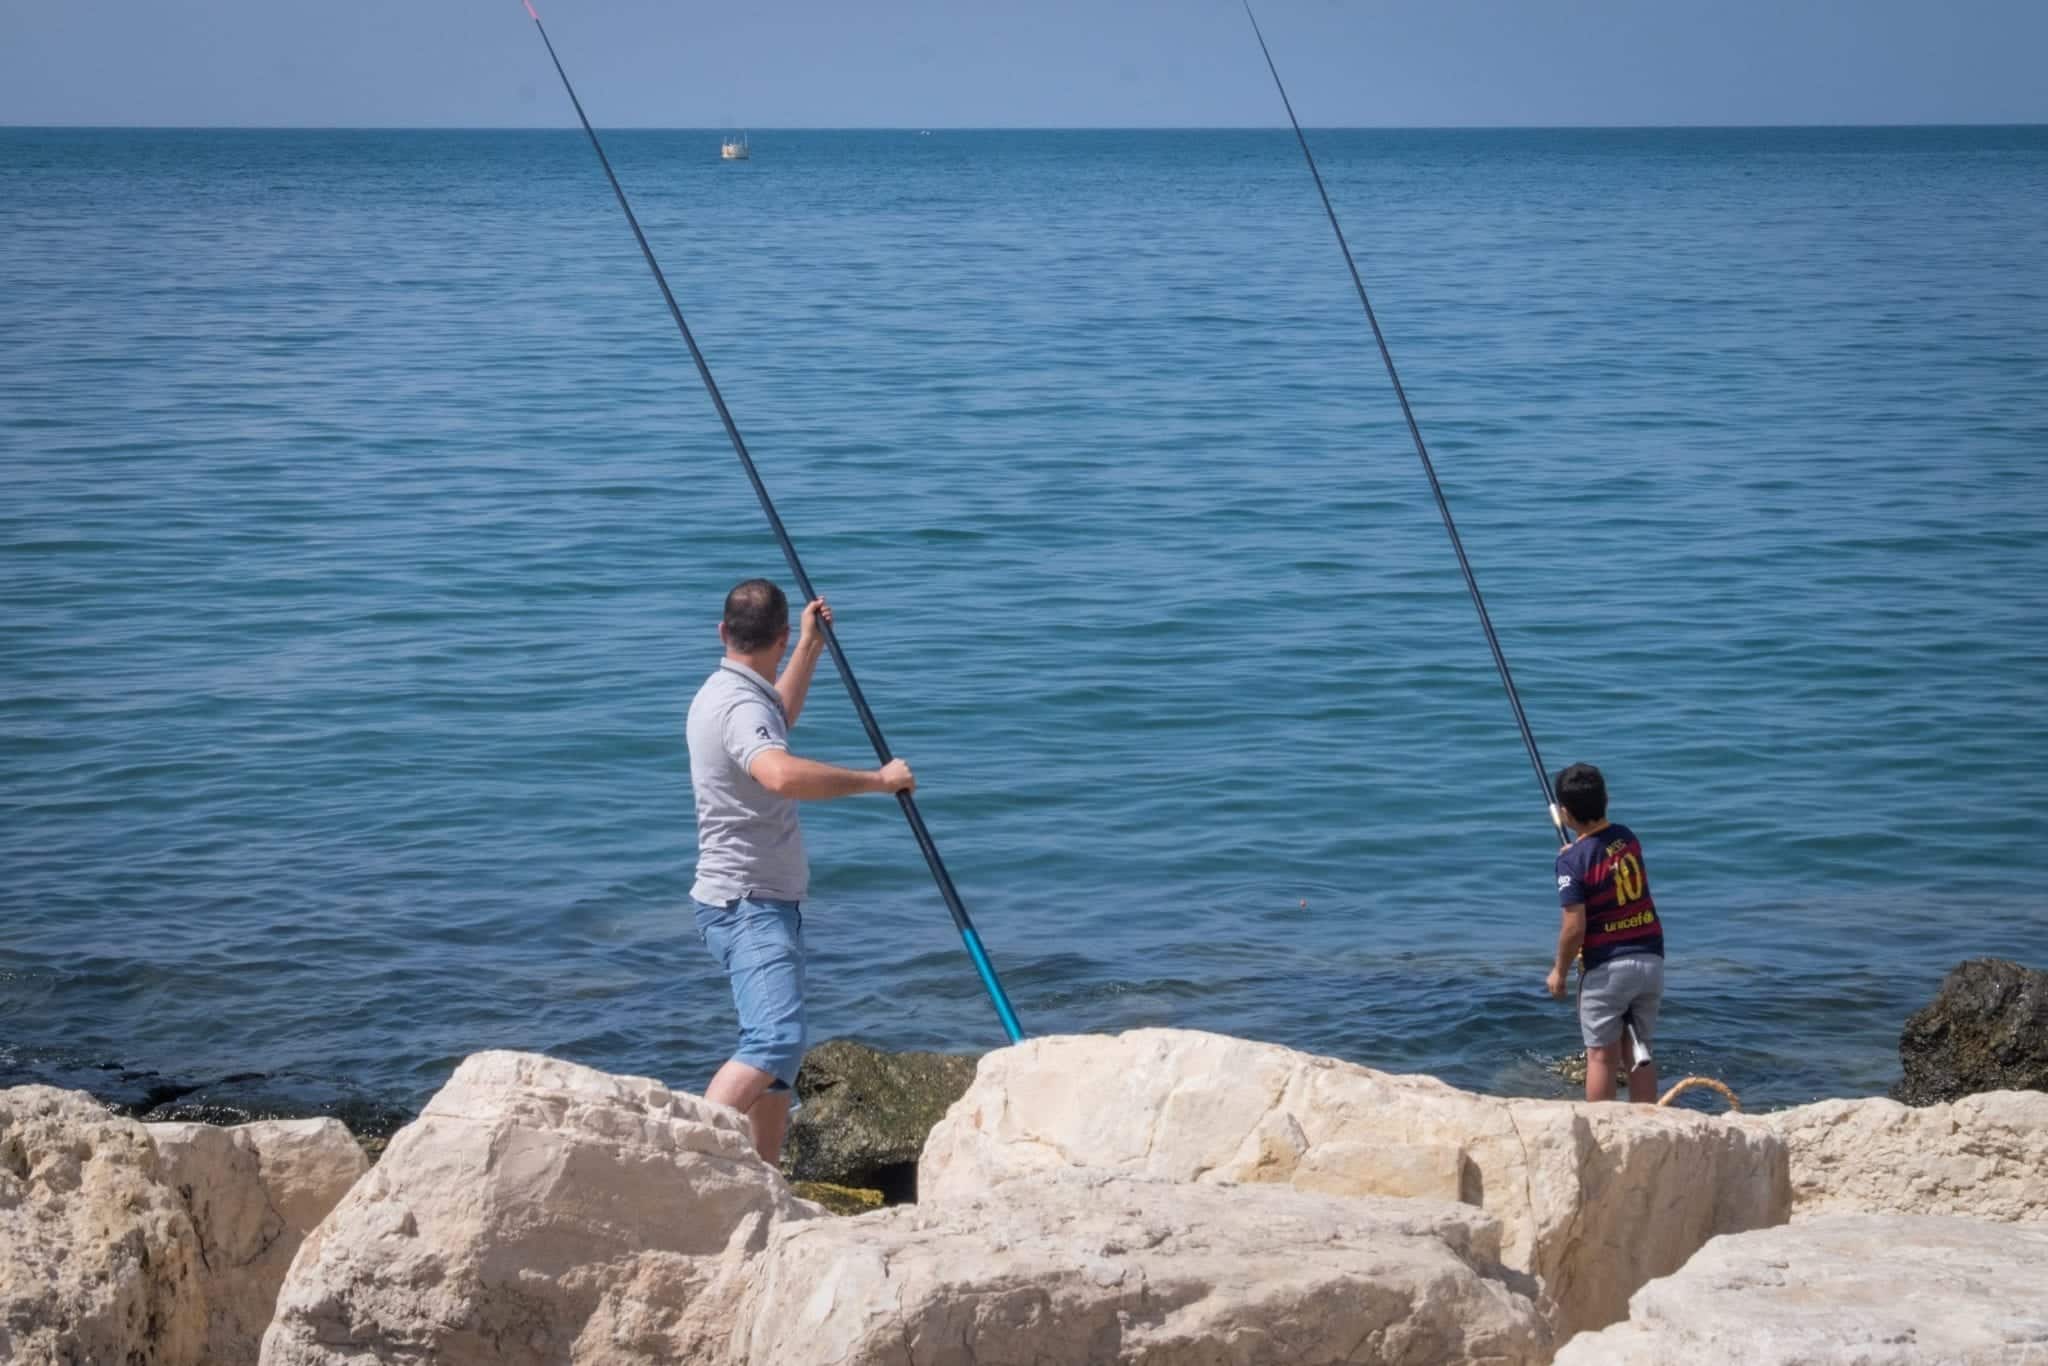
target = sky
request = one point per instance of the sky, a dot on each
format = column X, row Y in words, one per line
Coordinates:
column 1025, row 63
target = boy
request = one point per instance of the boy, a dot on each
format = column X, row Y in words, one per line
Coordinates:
column 1605, row 895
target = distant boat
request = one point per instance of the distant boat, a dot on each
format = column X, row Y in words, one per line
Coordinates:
column 734, row 148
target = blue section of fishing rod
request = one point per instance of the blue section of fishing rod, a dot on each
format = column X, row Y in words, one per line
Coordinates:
column 950, row 894
column 1443, row 506
column 988, row 974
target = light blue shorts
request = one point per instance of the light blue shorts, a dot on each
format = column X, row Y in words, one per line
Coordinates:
column 760, row 944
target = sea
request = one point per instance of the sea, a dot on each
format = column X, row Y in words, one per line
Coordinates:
column 365, row 527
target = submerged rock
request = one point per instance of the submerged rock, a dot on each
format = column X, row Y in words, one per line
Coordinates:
column 1594, row 1200
column 866, row 1113
column 239, row 1098
column 1877, row 1290
column 253, row 1097
column 1985, row 1030
column 1099, row 1270
column 1985, row 1156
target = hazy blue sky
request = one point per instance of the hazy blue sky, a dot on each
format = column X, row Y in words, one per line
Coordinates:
column 935, row 63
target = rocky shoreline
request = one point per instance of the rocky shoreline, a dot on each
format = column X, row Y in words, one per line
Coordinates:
column 1160, row 1196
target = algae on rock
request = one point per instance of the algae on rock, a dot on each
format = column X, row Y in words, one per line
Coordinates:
column 1985, row 1030
column 866, row 1113
column 837, row 1199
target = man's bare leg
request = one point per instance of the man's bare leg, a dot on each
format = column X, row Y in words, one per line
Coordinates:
column 1603, row 1066
column 745, row 1088
column 770, row 1116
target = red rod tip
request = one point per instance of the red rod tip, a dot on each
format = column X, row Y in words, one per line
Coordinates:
column 530, row 10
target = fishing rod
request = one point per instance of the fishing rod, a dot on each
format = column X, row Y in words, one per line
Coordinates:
column 925, row 844
column 1500, row 659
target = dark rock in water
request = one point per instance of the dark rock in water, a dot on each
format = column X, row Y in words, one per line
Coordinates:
column 279, row 1095
column 1986, row 1030
column 140, row 1093
column 126, row 1090
column 866, row 1114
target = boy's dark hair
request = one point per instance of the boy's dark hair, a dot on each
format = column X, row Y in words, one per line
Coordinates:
column 755, row 613
column 1583, row 792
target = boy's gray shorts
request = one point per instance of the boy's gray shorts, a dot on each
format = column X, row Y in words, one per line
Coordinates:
column 1630, row 987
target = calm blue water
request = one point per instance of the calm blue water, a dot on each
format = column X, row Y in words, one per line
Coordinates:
column 365, row 529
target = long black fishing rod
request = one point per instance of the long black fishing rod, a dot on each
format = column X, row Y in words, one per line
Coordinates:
column 1500, row 660
column 987, row 971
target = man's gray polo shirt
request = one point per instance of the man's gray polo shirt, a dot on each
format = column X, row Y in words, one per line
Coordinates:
column 748, row 842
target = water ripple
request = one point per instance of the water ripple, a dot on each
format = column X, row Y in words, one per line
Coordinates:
column 365, row 529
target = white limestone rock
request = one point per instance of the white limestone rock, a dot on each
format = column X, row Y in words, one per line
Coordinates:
column 1593, row 1199
column 1843, row 1290
column 538, row 1212
column 99, row 1260
column 1984, row 1156
column 253, row 1193
column 1073, row 1268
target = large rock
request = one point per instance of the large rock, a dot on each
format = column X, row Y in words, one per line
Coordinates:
column 538, row 1212
column 1594, row 1199
column 99, row 1260
column 1985, row 1030
column 253, row 1193
column 866, row 1113
column 1984, row 1156
column 1080, row 1269
column 1874, row 1290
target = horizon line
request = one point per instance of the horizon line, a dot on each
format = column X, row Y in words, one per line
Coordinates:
column 993, row 127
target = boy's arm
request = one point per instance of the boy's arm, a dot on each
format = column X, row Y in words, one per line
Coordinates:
column 1571, row 935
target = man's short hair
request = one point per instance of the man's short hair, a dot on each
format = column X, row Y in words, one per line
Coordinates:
column 1583, row 792
column 755, row 614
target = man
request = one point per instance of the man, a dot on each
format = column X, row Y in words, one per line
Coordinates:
column 1604, row 892
column 751, row 872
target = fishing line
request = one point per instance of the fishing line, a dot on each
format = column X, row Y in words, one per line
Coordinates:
column 1500, row 660
column 925, row 844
